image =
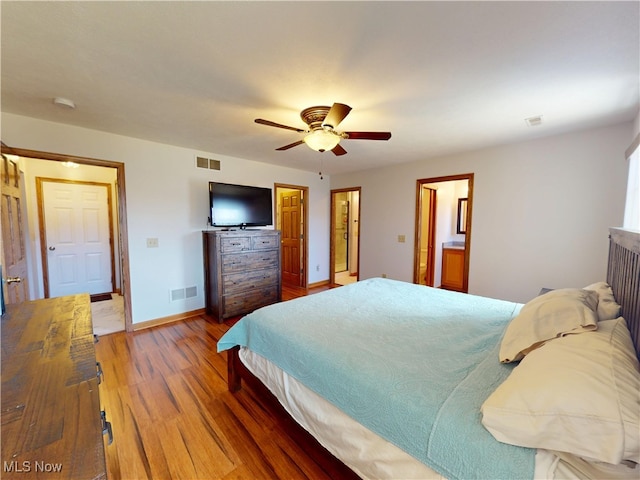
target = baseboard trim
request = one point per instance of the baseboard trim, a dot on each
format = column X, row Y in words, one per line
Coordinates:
column 323, row 283
column 169, row 319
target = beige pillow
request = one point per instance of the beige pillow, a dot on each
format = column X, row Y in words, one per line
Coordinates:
column 553, row 314
column 608, row 308
column 578, row 394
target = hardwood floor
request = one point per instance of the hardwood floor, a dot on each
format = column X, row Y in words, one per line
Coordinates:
column 165, row 393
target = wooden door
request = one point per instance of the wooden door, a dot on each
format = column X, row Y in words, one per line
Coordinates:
column 77, row 232
column 14, row 259
column 430, row 193
column 424, row 254
column 291, row 216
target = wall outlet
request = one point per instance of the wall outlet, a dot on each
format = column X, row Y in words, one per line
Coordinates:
column 152, row 243
column 401, row 238
column 384, row 275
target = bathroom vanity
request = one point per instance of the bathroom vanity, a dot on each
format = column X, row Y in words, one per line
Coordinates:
column 453, row 266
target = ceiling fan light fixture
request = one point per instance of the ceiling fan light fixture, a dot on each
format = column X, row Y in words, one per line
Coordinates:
column 322, row 140
column 321, row 135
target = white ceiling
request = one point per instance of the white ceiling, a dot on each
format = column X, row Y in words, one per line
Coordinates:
column 443, row 77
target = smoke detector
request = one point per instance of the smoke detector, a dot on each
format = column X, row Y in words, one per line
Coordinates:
column 534, row 121
column 64, row 103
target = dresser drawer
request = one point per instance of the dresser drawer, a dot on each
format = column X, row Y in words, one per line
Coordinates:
column 265, row 242
column 236, row 282
column 249, row 261
column 248, row 301
column 235, row 244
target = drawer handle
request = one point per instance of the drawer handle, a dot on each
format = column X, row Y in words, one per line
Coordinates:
column 106, row 427
column 235, row 244
column 99, row 373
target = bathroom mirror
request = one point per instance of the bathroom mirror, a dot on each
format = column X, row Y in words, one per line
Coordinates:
column 462, row 216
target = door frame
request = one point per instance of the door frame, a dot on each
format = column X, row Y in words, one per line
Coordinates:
column 122, row 212
column 467, row 237
column 332, row 242
column 304, row 244
column 43, row 231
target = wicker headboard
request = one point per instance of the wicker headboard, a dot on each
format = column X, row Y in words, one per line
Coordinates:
column 623, row 274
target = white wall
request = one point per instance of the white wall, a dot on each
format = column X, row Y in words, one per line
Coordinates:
column 541, row 211
column 167, row 198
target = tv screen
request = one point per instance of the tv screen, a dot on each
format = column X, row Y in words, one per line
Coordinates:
column 240, row 205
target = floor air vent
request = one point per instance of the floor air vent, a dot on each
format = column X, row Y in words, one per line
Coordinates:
column 208, row 163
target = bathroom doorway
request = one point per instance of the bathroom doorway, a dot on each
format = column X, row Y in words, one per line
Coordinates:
column 443, row 231
column 345, row 236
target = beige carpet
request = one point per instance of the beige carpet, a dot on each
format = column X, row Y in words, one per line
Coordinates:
column 108, row 315
column 343, row 278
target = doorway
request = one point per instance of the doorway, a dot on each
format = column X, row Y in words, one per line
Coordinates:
column 121, row 220
column 77, row 231
column 443, row 231
column 345, row 236
column 292, row 221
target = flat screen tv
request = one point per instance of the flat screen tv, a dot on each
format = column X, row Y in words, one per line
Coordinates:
column 240, row 205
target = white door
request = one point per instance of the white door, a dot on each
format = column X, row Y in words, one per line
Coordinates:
column 77, row 237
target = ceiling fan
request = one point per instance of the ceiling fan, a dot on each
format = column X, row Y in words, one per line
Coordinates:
column 322, row 134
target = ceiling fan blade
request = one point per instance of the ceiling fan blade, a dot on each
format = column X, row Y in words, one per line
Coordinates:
column 338, row 150
column 368, row 135
column 336, row 114
column 278, row 125
column 291, row 145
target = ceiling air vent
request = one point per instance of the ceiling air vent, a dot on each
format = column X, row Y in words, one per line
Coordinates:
column 208, row 163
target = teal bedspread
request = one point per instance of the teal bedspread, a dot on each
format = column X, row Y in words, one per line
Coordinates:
column 411, row 363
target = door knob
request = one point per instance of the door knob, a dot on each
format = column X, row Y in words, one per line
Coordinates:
column 13, row 280
column 52, row 248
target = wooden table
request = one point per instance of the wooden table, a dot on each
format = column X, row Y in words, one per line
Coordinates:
column 52, row 425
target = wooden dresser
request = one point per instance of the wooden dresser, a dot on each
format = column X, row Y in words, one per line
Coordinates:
column 242, row 271
column 52, row 425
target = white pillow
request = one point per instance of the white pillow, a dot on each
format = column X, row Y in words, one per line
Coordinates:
column 553, row 314
column 578, row 394
column 608, row 308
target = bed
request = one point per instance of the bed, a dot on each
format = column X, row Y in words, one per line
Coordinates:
column 405, row 381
